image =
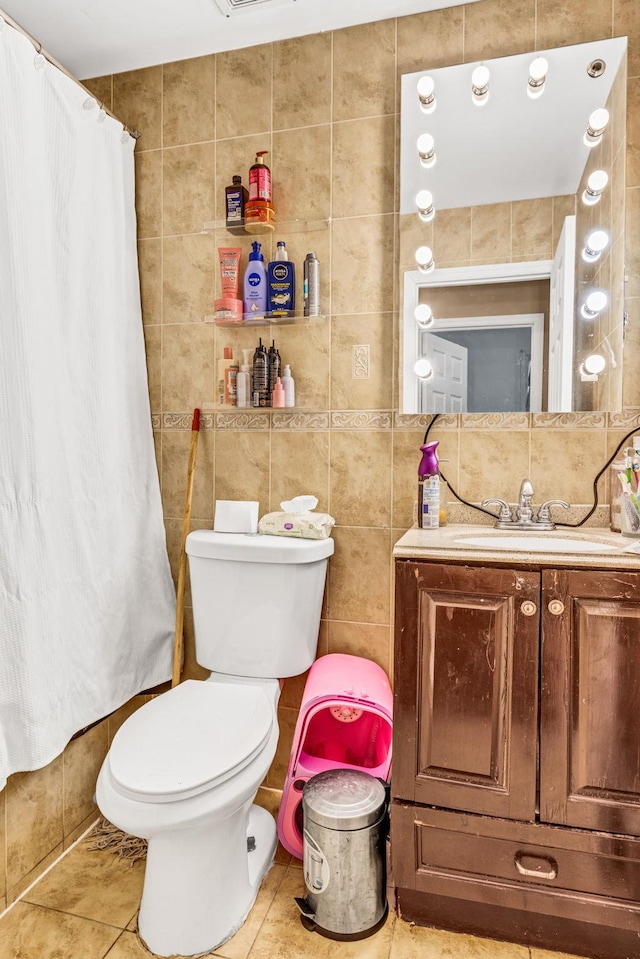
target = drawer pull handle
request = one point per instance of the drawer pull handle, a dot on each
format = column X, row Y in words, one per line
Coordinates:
column 528, row 608
column 535, row 867
column 556, row 608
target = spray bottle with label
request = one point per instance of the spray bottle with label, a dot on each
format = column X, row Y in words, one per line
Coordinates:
column 429, row 487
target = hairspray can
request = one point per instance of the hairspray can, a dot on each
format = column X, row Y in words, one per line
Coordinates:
column 311, row 288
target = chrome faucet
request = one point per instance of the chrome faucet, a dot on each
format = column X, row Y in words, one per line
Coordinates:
column 523, row 515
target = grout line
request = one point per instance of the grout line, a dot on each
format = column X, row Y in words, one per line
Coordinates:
column 48, row 869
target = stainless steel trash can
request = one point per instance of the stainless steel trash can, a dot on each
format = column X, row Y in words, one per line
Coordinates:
column 344, row 862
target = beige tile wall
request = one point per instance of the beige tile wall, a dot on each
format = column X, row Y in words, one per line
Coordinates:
column 43, row 812
column 326, row 106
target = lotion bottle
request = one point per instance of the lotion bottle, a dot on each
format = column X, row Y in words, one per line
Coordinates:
column 429, row 487
column 243, row 381
column 255, row 283
column 289, row 386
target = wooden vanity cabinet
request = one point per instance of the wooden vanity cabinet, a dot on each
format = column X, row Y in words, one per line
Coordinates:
column 516, row 778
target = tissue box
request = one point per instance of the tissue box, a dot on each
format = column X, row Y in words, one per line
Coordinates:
column 303, row 525
column 236, row 516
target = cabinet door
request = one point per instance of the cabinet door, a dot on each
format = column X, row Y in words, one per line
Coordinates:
column 590, row 700
column 466, row 680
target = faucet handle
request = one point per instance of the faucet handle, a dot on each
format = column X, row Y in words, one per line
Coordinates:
column 544, row 513
column 505, row 510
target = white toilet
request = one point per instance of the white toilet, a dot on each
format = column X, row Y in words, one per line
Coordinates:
column 182, row 771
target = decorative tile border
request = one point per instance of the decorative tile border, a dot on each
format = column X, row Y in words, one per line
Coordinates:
column 299, row 420
column 420, row 421
column 243, row 420
column 361, row 420
column 574, row 421
column 494, row 421
column 626, row 419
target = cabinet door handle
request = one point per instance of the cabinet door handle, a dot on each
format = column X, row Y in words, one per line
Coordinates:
column 556, row 607
column 528, row 608
column 535, row 867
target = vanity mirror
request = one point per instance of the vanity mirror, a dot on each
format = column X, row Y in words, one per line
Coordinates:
column 512, row 233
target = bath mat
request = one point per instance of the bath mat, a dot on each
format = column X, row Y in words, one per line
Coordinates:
column 105, row 835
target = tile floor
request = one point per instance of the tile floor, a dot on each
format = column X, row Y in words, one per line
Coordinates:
column 86, row 906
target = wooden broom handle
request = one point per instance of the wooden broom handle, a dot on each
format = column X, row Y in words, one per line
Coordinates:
column 178, row 641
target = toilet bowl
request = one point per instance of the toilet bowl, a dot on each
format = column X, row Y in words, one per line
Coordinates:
column 183, row 770
column 184, row 777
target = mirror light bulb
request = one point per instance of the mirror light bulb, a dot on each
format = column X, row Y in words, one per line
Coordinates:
column 424, row 259
column 423, row 369
column 424, row 202
column 595, row 185
column 426, row 94
column 594, row 364
column 596, row 243
column 480, row 85
column 537, row 76
column 594, row 304
column 424, row 316
column 426, row 149
column 596, row 126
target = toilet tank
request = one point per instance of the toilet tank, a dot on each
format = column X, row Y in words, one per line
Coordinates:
column 257, row 601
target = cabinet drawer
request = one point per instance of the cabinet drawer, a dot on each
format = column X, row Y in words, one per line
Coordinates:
column 527, row 854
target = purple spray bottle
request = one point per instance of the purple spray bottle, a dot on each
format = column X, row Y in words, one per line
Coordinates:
column 429, row 487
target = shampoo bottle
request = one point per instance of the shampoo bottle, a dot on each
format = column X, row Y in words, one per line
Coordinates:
column 289, row 387
column 243, row 382
column 429, row 487
column 255, row 283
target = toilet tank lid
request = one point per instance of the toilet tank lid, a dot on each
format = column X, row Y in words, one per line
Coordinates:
column 256, row 547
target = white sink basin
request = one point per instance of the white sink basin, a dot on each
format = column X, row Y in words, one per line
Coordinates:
column 536, row 543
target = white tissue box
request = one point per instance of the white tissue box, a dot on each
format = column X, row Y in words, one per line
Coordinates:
column 236, row 516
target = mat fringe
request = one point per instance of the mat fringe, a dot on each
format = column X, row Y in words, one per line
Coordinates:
column 105, row 835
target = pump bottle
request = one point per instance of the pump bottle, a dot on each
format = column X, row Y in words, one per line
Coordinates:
column 429, row 487
column 243, row 381
column 255, row 283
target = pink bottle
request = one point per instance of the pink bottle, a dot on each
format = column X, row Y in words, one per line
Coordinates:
column 345, row 722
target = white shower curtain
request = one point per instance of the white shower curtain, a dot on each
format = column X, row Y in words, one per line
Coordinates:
column 87, row 602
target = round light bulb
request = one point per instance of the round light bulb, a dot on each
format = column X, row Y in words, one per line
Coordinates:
column 426, row 95
column 595, row 185
column 424, row 259
column 596, row 126
column 480, row 77
column 594, row 364
column 538, row 69
column 426, row 149
column 424, row 202
column 424, row 316
column 537, row 77
column 594, row 304
column 596, row 243
column 423, row 369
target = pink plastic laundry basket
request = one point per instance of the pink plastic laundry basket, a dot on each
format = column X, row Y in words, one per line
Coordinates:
column 345, row 722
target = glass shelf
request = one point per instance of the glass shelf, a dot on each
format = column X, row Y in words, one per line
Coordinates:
column 302, row 225
column 267, row 319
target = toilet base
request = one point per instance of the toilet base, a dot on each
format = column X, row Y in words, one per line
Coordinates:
column 201, row 883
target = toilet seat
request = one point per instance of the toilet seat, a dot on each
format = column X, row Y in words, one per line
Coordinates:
column 189, row 740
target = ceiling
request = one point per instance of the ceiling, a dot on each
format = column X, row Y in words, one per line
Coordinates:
column 96, row 37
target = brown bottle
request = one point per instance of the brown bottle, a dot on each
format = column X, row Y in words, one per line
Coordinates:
column 236, row 197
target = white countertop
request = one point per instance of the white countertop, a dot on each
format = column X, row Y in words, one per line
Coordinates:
column 444, row 544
